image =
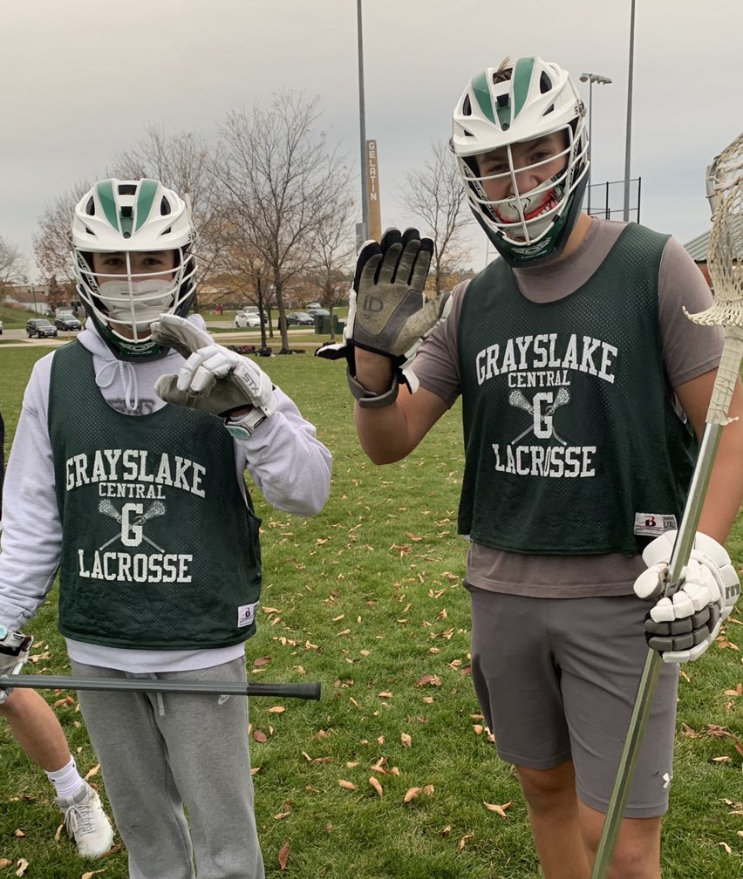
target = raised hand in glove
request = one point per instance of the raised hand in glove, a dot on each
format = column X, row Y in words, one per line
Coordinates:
column 682, row 626
column 14, row 650
column 213, row 378
column 389, row 312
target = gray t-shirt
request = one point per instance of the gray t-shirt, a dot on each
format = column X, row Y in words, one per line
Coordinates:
column 689, row 350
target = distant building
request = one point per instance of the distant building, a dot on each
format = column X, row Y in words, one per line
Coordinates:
column 29, row 296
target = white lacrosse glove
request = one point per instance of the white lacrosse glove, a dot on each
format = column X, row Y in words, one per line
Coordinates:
column 213, row 378
column 14, row 650
column 682, row 626
column 389, row 312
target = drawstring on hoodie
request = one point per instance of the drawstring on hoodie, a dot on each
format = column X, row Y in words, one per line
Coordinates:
column 128, row 378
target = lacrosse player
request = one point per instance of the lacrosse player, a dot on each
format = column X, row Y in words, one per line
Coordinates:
column 584, row 390
column 127, row 475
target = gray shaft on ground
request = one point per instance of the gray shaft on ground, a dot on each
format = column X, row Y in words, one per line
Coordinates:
column 653, row 663
column 309, row 690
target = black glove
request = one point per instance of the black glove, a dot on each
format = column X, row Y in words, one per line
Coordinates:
column 389, row 312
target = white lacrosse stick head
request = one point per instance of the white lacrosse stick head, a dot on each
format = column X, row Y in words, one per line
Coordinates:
column 725, row 252
column 725, row 256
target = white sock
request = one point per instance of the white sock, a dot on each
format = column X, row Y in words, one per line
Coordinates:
column 67, row 781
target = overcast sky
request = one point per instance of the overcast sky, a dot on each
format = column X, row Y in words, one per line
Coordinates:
column 80, row 80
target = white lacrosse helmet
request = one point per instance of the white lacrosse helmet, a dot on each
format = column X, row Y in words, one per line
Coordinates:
column 517, row 102
column 129, row 217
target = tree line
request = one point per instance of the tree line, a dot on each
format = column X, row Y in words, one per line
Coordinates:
column 272, row 207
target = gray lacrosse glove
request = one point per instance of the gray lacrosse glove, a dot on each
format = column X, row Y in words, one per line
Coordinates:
column 14, row 650
column 213, row 378
column 389, row 312
column 682, row 626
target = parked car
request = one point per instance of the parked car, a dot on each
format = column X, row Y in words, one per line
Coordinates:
column 247, row 319
column 299, row 319
column 313, row 311
column 40, row 328
column 67, row 322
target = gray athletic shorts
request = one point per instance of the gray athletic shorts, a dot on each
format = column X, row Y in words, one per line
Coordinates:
column 557, row 680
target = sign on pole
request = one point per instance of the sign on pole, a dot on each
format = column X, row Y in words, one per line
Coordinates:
column 372, row 191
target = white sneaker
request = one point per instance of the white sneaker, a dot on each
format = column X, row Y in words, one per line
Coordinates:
column 86, row 823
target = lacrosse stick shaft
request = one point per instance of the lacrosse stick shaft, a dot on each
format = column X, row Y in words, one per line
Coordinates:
column 717, row 418
column 161, row 685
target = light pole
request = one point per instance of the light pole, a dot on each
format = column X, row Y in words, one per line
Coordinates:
column 591, row 78
column 629, row 115
column 362, row 127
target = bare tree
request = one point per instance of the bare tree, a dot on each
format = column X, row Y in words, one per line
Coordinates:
column 281, row 184
column 12, row 266
column 435, row 195
column 183, row 162
column 335, row 246
column 51, row 241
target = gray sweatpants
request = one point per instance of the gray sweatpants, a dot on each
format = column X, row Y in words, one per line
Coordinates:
column 161, row 752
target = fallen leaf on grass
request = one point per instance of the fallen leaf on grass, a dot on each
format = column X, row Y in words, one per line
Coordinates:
column 261, row 661
column 377, row 786
column 37, row 657
column 91, row 874
column 260, row 736
column 22, row 867
column 411, row 794
column 722, row 759
column 19, row 833
column 284, row 854
column 277, row 709
column 68, row 700
column 499, row 810
column 384, row 695
column 429, row 680
column 94, row 771
column 4, row 862
column 464, row 840
column 689, row 732
column 726, row 847
column 406, row 740
column 348, row 785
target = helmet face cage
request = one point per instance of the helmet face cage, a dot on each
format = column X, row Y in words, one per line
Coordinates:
column 515, row 105
column 149, row 229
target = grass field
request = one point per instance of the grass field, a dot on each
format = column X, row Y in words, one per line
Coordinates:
column 367, row 598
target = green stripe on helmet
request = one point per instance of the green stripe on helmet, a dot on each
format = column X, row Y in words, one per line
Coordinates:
column 482, row 93
column 521, row 79
column 147, row 191
column 108, row 202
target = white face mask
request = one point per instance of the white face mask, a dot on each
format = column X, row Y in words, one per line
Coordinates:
column 136, row 302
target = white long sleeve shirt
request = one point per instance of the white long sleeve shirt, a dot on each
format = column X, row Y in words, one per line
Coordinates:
column 284, row 458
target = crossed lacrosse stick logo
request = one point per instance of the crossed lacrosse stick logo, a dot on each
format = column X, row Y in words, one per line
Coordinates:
column 517, row 399
column 156, row 509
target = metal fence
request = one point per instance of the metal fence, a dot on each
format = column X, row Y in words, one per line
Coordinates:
column 606, row 200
